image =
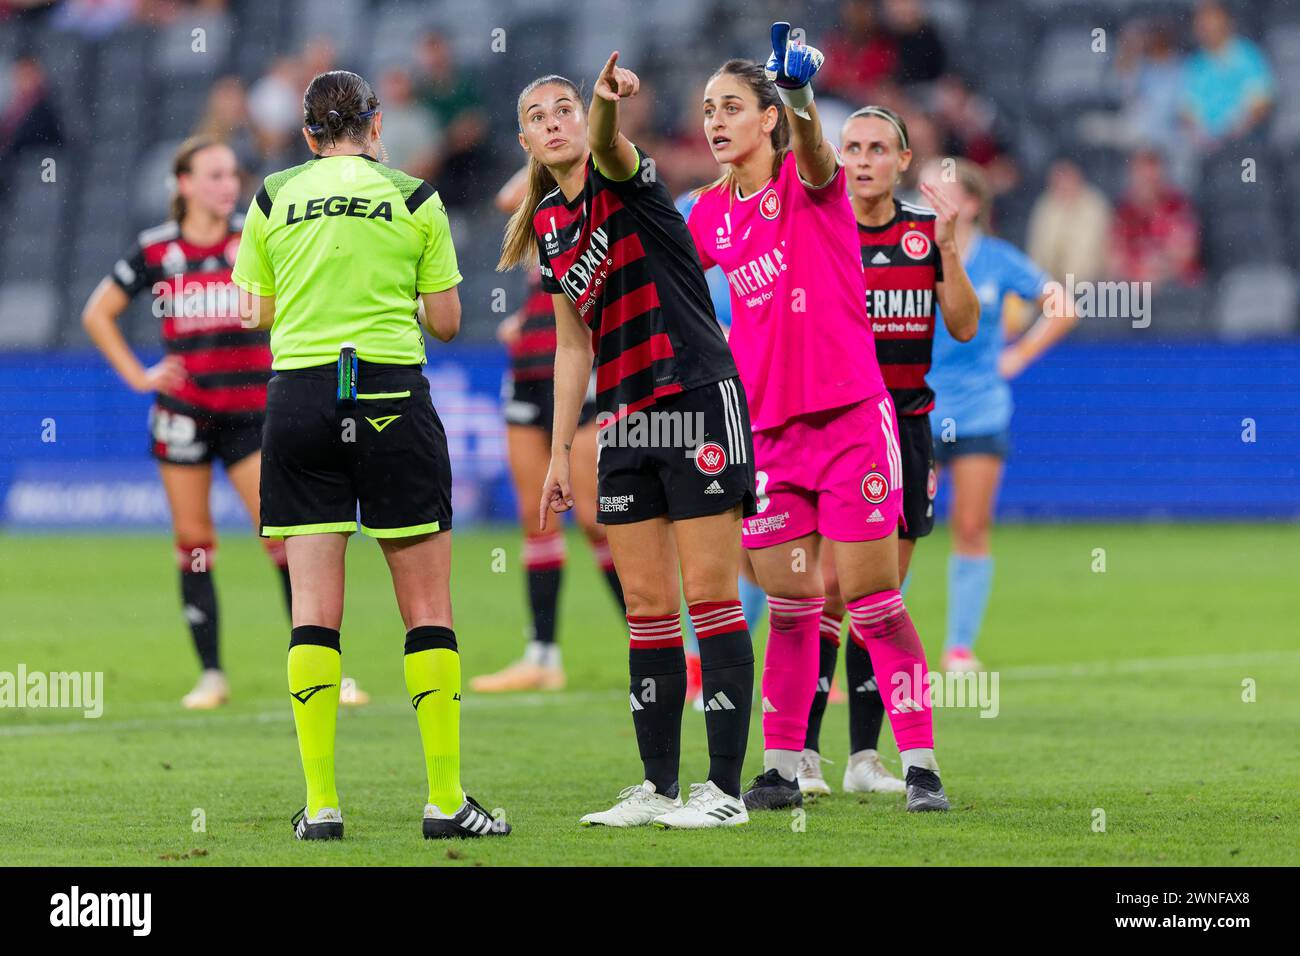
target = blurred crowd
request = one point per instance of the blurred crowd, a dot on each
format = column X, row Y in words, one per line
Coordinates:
column 1180, row 92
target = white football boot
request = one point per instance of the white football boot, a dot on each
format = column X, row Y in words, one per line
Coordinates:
column 706, row 807
column 866, row 774
column 811, row 781
column 637, row 807
column 350, row 695
column 210, row 692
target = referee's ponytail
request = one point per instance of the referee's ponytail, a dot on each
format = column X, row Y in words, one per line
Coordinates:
column 339, row 105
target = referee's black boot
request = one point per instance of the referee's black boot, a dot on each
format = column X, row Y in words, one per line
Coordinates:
column 327, row 824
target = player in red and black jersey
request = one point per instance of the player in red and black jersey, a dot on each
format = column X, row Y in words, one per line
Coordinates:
column 528, row 397
column 912, row 264
column 210, row 387
column 675, row 472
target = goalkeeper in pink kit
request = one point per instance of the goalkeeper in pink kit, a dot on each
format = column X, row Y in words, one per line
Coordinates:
column 780, row 225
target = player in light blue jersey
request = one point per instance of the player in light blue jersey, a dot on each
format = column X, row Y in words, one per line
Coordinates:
column 971, row 419
column 752, row 599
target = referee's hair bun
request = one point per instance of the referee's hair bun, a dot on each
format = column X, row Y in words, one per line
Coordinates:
column 333, row 121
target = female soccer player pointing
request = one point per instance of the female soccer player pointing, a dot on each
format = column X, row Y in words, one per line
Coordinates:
column 780, row 224
column 627, row 285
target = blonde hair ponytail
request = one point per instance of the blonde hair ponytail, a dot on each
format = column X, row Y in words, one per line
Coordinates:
column 519, row 248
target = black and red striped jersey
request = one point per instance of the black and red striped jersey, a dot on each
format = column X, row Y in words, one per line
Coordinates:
column 532, row 354
column 902, row 265
column 622, row 254
column 227, row 365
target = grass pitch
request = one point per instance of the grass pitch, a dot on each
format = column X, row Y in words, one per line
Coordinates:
column 1121, row 702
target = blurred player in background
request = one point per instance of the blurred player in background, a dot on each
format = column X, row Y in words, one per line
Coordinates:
column 528, row 397
column 627, row 285
column 912, row 265
column 210, row 387
column 780, row 225
column 972, row 412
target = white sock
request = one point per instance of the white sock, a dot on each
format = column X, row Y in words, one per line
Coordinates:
column 535, row 653
column 785, row 762
column 922, row 757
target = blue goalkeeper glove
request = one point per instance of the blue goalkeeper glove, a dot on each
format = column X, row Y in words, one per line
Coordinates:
column 791, row 66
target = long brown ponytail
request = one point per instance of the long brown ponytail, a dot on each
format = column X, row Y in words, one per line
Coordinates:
column 519, row 247
column 753, row 76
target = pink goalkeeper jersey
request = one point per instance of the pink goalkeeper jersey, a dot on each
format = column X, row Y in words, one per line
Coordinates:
column 799, row 327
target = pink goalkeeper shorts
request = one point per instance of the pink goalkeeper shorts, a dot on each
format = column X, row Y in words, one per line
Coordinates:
column 837, row 472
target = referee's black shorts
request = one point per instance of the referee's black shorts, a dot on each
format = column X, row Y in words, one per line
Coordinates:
column 387, row 454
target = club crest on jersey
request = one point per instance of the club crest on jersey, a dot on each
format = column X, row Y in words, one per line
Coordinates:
column 710, row 459
column 875, row 487
column 174, row 259
column 915, row 244
column 770, row 204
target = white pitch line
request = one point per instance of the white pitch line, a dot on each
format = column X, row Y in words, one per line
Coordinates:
column 1145, row 665
column 1138, row 665
column 388, row 709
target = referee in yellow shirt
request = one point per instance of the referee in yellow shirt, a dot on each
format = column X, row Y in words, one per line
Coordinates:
column 338, row 257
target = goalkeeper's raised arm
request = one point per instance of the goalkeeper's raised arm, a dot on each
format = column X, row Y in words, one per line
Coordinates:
column 792, row 66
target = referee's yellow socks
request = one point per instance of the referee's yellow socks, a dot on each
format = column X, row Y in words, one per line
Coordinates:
column 432, row 668
column 315, row 670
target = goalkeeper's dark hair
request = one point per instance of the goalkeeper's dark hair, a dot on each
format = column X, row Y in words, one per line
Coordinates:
column 519, row 247
column 182, row 164
column 755, row 77
column 339, row 105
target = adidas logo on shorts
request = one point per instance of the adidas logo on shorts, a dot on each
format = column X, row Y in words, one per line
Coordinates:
column 719, row 701
column 714, row 488
column 875, row 517
column 767, row 707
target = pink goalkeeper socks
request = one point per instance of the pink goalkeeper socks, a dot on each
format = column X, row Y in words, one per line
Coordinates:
column 898, row 660
column 790, row 671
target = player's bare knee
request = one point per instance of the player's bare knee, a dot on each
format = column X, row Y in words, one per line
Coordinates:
column 196, row 534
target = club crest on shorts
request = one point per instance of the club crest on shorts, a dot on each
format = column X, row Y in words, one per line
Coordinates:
column 710, row 459
column 915, row 244
column 875, row 487
column 931, row 484
column 770, row 204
